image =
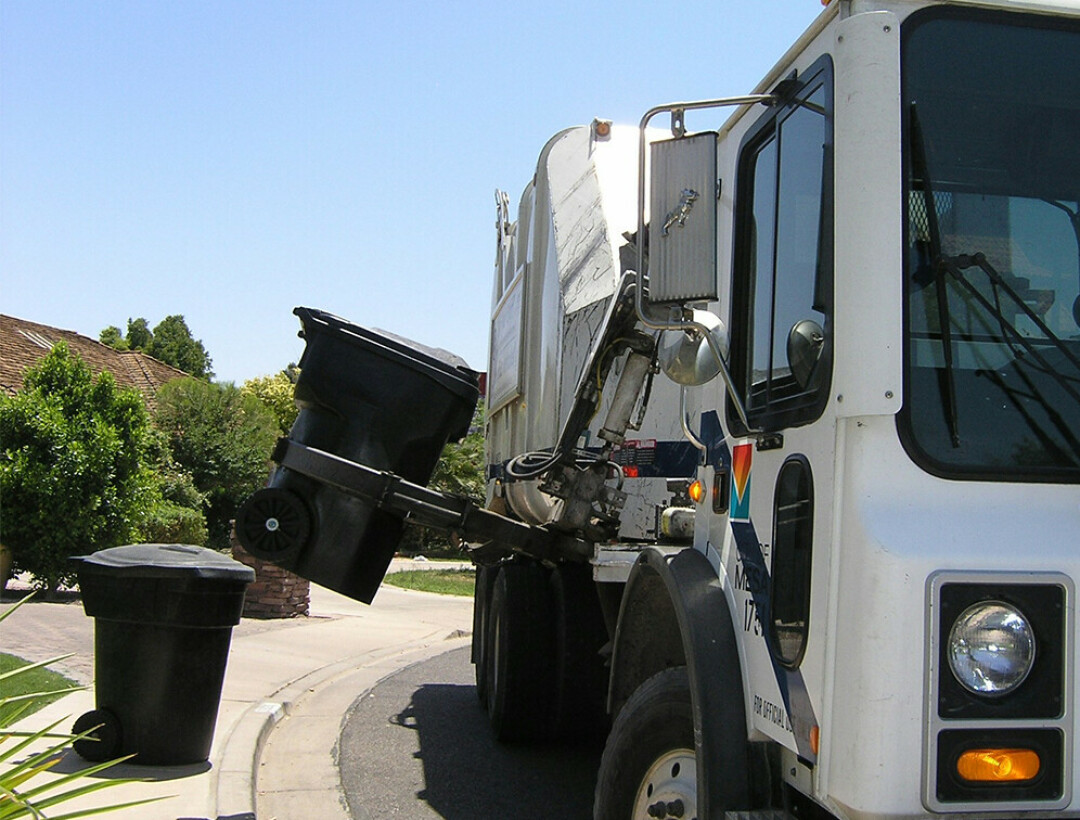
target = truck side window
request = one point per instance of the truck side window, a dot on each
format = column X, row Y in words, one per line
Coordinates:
column 793, row 535
column 783, row 258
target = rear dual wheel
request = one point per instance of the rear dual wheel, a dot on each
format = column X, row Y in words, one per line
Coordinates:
column 485, row 582
column 537, row 636
column 579, row 635
column 519, row 674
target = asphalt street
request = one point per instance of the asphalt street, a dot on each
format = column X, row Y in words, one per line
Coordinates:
column 417, row 746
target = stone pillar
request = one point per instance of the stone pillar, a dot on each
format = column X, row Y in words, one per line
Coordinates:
column 276, row 593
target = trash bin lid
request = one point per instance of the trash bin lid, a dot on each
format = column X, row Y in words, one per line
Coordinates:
column 167, row 561
column 440, row 365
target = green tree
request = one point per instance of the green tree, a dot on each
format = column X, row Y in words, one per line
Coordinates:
column 276, row 392
column 173, row 344
column 223, row 439
column 72, row 471
column 113, row 337
column 170, row 342
column 139, row 336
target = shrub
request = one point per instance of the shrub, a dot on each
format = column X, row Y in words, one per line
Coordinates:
column 276, row 392
column 178, row 515
column 223, row 439
column 72, row 469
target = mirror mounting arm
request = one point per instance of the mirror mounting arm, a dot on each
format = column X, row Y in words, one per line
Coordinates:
column 681, row 320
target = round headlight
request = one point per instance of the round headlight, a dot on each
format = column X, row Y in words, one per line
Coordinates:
column 991, row 648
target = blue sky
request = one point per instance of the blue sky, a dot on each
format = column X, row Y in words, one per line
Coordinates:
column 230, row 160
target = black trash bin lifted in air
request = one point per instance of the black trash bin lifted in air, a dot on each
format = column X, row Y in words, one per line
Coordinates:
column 164, row 615
column 366, row 397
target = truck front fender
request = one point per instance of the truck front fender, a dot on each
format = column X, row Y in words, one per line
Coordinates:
column 674, row 613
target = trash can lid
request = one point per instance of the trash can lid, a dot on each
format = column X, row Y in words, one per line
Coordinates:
column 168, row 561
column 444, row 367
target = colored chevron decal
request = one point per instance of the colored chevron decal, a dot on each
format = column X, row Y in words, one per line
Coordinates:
column 742, row 456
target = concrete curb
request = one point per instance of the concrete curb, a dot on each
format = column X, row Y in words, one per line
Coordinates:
column 235, row 785
column 236, row 792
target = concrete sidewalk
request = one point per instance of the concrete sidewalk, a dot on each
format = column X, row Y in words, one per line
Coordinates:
column 287, row 688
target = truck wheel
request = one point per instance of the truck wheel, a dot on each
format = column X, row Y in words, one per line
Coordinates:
column 580, row 672
column 649, row 767
column 485, row 582
column 520, row 675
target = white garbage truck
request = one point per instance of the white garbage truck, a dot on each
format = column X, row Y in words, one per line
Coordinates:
column 783, row 435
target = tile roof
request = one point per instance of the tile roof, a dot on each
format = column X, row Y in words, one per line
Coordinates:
column 23, row 344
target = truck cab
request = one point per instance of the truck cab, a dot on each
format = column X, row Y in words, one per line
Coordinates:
column 872, row 612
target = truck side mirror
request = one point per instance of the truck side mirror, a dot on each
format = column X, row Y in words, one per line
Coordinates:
column 804, row 344
column 682, row 220
column 687, row 357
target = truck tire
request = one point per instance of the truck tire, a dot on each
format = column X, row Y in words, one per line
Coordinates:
column 521, row 676
column 581, row 674
column 485, row 582
column 649, row 767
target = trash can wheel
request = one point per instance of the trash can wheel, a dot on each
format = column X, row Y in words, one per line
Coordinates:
column 104, row 739
column 273, row 524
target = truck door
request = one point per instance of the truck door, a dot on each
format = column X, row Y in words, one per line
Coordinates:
column 781, row 355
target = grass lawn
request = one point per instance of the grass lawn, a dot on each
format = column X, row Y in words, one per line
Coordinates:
column 442, row 581
column 37, row 680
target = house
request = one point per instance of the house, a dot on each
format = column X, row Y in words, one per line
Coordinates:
column 23, row 344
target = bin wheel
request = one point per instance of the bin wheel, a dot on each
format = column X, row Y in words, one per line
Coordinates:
column 273, row 524
column 104, row 739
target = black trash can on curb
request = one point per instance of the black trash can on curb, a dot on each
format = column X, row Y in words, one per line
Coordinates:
column 368, row 397
column 164, row 615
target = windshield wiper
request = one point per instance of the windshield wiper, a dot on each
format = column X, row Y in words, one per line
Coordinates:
column 918, row 159
column 955, row 267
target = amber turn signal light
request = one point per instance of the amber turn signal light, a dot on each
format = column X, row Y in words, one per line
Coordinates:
column 696, row 491
column 998, row 765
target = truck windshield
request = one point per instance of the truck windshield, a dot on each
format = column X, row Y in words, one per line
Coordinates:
column 992, row 256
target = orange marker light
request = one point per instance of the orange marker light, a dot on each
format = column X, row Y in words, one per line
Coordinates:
column 815, row 739
column 998, row 765
column 697, row 492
